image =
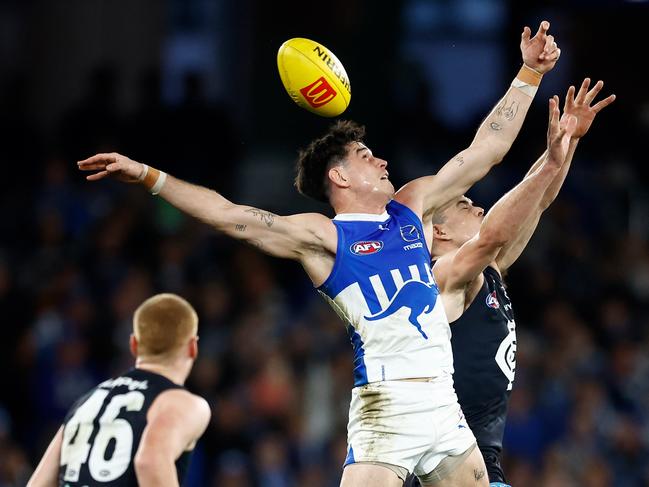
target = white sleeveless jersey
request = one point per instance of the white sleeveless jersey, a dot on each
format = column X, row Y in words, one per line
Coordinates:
column 382, row 286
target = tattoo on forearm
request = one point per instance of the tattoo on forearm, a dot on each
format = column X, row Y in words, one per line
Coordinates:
column 460, row 160
column 508, row 112
column 265, row 216
column 478, row 473
column 495, row 126
column 240, row 228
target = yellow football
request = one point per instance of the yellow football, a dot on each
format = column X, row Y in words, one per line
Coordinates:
column 313, row 77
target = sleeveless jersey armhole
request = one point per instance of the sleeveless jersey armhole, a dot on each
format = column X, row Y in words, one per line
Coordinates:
column 340, row 243
column 491, row 269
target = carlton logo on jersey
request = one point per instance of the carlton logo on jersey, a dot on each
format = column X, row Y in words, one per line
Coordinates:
column 492, row 300
column 366, row 247
column 506, row 354
column 417, row 296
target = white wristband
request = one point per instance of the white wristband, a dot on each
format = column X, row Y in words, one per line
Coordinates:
column 157, row 187
column 145, row 171
column 529, row 90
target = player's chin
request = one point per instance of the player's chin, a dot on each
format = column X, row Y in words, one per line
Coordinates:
column 387, row 185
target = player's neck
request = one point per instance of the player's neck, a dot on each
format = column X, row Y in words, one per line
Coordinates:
column 372, row 203
column 442, row 249
column 361, row 206
column 173, row 371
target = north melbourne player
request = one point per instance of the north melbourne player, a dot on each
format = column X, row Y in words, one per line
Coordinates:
column 372, row 263
column 141, row 427
column 472, row 251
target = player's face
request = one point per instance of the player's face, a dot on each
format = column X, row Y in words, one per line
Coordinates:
column 463, row 220
column 367, row 173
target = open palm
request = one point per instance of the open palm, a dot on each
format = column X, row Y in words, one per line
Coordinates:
column 580, row 106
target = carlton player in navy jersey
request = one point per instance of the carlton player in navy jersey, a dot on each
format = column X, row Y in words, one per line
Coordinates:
column 372, row 264
column 138, row 428
column 471, row 252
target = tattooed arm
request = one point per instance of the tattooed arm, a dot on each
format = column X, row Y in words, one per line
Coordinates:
column 492, row 141
column 293, row 237
column 493, row 138
column 281, row 236
column 583, row 107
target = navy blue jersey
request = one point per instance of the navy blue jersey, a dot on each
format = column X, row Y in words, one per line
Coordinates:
column 102, row 431
column 484, row 358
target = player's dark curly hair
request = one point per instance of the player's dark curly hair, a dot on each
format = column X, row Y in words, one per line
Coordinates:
column 314, row 161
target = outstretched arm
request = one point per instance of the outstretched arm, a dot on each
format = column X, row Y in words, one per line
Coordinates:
column 47, row 472
column 495, row 135
column 504, row 221
column 579, row 107
column 282, row 236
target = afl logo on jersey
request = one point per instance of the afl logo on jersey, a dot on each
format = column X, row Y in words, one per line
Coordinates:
column 492, row 300
column 365, row 248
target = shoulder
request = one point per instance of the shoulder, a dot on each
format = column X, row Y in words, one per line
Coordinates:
column 410, row 197
column 180, row 404
column 445, row 271
column 320, row 229
column 311, row 220
column 442, row 265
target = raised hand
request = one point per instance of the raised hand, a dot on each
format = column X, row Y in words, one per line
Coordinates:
column 560, row 130
column 580, row 106
column 541, row 51
column 112, row 164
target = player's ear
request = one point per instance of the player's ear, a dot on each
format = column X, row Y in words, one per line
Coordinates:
column 439, row 233
column 338, row 176
column 132, row 343
column 193, row 347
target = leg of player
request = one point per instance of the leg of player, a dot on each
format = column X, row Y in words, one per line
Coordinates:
column 471, row 473
column 367, row 475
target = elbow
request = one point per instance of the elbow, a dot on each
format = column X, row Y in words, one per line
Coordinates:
column 143, row 464
column 493, row 151
column 499, row 151
column 146, row 468
column 492, row 239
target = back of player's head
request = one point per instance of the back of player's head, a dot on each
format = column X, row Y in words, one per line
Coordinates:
column 162, row 324
column 314, row 161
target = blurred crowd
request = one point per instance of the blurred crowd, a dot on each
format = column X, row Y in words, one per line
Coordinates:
column 76, row 258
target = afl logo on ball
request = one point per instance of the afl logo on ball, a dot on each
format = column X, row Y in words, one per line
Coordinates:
column 318, row 93
column 492, row 300
column 365, row 248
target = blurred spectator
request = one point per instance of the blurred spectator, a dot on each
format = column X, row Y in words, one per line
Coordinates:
column 275, row 361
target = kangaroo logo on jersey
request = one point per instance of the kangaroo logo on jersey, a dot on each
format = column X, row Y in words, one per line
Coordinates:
column 409, row 233
column 365, row 248
column 418, row 296
column 506, row 354
column 492, row 300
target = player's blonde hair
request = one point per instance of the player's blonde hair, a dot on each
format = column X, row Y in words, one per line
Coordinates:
column 162, row 324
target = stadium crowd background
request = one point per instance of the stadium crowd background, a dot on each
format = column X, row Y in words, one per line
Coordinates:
column 191, row 87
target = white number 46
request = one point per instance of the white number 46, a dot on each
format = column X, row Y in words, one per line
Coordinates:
column 78, row 430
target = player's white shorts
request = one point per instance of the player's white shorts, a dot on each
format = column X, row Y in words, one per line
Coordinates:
column 412, row 425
